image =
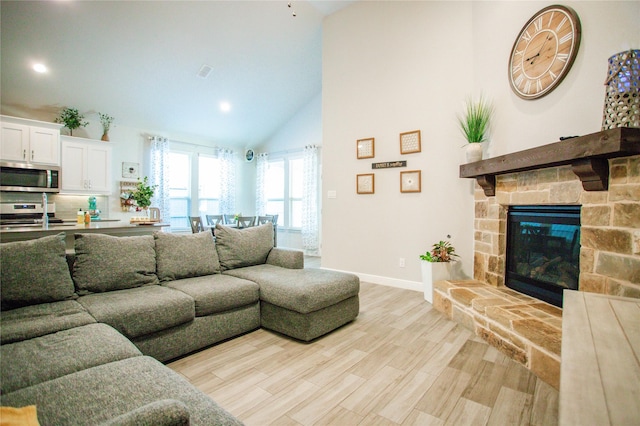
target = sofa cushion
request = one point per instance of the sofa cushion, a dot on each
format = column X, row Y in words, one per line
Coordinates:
column 300, row 290
column 165, row 412
column 54, row 355
column 243, row 247
column 124, row 386
column 35, row 271
column 138, row 311
column 106, row 263
column 217, row 293
column 185, row 255
column 38, row 320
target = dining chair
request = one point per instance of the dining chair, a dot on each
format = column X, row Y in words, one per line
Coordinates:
column 214, row 219
column 229, row 219
column 273, row 218
column 246, row 221
column 196, row 224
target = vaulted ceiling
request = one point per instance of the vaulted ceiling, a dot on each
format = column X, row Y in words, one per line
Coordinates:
column 139, row 62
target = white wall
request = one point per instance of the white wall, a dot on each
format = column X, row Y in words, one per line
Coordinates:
column 390, row 67
column 304, row 128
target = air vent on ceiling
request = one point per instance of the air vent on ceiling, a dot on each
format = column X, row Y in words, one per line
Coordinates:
column 205, row 70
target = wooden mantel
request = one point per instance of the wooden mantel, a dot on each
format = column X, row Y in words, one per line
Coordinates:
column 588, row 156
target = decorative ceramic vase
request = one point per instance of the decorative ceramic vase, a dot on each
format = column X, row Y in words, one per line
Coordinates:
column 105, row 137
column 474, row 152
column 432, row 272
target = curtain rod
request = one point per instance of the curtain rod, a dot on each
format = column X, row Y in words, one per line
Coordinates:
column 290, row 151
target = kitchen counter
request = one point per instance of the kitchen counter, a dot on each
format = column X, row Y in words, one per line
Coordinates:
column 116, row 228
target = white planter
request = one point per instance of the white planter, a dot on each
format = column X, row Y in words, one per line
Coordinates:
column 474, row 152
column 432, row 272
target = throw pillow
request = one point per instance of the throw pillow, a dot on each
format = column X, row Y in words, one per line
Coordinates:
column 107, row 263
column 243, row 247
column 35, row 271
column 185, row 255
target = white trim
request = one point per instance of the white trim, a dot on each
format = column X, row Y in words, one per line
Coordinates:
column 390, row 282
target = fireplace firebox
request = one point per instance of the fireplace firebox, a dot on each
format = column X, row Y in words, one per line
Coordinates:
column 543, row 250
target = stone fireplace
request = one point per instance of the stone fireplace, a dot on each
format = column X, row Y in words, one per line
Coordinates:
column 527, row 329
column 610, row 235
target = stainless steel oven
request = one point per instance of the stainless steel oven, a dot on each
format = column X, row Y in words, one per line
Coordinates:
column 29, row 177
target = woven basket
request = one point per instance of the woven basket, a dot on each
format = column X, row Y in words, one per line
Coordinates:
column 622, row 98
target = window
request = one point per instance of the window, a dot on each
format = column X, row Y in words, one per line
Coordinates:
column 208, row 185
column 283, row 190
column 180, row 189
column 193, row 180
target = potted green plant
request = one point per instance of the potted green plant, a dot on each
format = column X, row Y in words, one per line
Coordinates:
column 71, row 119
column 106, row 121
column 143, row 193
column 474, row 125
column 437, row 265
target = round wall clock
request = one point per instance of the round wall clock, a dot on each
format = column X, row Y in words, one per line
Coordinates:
column 544, row 51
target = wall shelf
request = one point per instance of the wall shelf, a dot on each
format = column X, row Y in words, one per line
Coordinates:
column 588, row 156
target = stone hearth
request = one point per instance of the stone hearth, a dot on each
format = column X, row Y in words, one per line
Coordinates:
column 524, row 328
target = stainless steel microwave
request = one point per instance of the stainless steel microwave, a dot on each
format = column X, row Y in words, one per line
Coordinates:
column 22, row 177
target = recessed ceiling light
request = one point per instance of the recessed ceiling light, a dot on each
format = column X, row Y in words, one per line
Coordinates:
column 41, row 68
column 225, row 106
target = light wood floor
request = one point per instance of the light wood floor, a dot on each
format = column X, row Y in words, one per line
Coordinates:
column 400, row 362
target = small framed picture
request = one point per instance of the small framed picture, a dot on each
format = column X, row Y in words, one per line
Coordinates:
column 411, row 181
column 365, row 148
column 130, row 170
column 410, row 142
column 365, row 183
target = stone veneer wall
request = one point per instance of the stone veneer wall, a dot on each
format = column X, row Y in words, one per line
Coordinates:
column 610, row 220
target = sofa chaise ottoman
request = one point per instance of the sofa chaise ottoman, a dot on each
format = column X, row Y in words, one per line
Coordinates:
column 303, row 303
column 300, row 303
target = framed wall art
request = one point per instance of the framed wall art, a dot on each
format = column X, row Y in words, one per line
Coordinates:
column 411, row 181
column 365, row 183
column 130, row 170
column 365, row 148
column 410, row 142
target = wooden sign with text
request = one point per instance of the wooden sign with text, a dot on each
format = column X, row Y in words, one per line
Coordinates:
column 388, row 164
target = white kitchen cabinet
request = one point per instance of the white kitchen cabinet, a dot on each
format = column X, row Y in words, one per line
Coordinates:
column 29, row 141
column 86, row 166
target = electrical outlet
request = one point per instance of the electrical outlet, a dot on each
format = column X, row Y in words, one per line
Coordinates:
column 401, row 262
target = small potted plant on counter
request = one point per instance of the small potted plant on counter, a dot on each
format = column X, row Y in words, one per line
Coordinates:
column 437, row 265
column 143, row 193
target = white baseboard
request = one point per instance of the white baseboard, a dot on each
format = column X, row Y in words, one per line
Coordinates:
column 390, row 282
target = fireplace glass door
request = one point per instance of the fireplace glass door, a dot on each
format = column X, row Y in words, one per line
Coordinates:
column 543, row 250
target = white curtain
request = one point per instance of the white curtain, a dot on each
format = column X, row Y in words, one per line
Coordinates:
column 160, row 175
column 262, row 165
column 227, row 182
column 310, row 220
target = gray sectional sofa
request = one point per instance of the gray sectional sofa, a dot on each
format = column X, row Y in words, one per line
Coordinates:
column 84, row 334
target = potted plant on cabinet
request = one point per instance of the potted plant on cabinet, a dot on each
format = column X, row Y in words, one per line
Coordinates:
column 105, row 120
column 474, row 125
column 71, row 119
column 437, row 265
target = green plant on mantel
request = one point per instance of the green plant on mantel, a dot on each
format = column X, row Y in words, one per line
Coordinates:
column 442, row 251
column 143, row 193
column 474, row 124
column 71, row 119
